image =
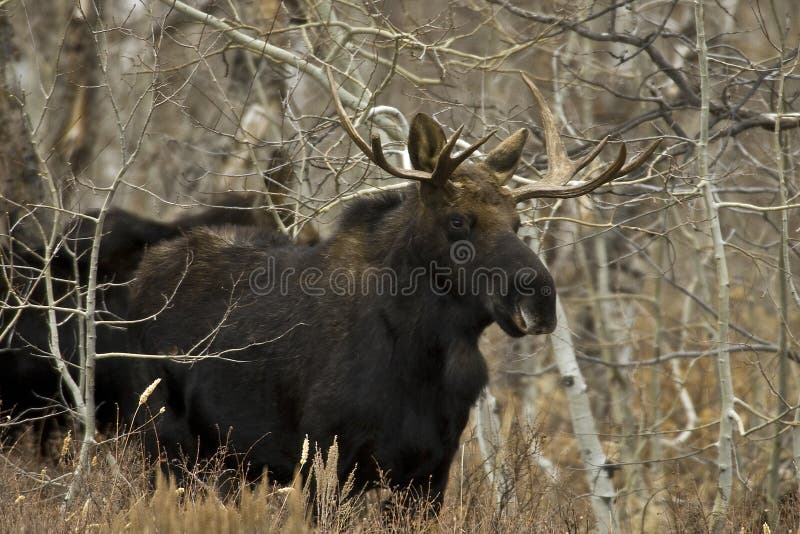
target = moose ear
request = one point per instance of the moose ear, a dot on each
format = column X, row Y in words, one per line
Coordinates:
column 503, row 160
column 425, row 141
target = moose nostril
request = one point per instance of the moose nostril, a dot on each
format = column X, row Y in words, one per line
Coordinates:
column 537, row 315
column 532, row 319
column 545, row 327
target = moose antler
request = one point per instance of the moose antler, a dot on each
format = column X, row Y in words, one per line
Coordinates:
column 561, row 169
column 445, row 165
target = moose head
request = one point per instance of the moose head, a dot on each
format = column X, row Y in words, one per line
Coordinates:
column 466, row 216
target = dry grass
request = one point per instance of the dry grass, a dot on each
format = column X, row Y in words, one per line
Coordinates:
column 125, row 494
column 120, row 498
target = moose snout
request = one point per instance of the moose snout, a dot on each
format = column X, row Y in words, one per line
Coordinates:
column 530, row 306
column 534, row 311
column 535, row 316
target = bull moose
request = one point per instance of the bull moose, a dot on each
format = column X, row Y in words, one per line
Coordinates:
column 390, row 371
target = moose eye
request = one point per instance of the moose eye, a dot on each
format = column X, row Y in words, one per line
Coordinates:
column 457, row 222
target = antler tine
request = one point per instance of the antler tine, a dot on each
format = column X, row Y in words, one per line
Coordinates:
column 445, row 165
column 615, row 170
column 346, row 123
column 640, row 159
column 375, row 154
column 561, row 169
column 379, row 159
column 450, row 144
column 467, row 152
column 536, row 190
column 588, row 158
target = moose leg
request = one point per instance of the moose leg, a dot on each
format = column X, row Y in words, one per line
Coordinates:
column 424, row 494
column 432, row 490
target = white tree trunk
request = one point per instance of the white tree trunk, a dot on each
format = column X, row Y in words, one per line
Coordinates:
column 725, row 441
column 601, row 487
column 492, row 445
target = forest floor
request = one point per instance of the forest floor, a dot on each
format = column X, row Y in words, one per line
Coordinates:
column 125, row 493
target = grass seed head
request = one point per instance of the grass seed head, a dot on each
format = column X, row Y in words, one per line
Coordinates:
column 304, row 452
column 65, row 446
column 148, row 391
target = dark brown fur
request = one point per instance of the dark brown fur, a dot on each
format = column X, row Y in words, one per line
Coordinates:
column 30, row 386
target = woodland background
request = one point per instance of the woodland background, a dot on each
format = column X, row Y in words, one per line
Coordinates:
column 678, row 285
